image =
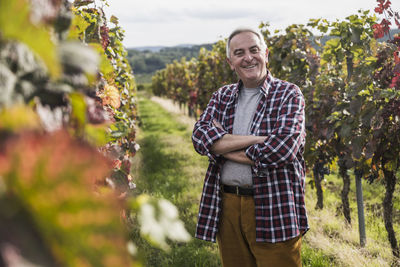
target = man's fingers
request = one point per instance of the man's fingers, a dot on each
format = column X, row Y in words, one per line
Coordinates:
column 217, row 124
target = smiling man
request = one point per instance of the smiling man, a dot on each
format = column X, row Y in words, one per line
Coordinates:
column 253, row 133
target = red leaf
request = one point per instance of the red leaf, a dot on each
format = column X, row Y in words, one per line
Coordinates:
column 385, row 26
column 387, row 5
column 116, row 164
column 378, row 10
column 105, row 38
column 378, row 31
column 396, row 81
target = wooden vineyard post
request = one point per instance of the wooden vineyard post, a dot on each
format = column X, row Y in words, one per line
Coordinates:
column 360, row 207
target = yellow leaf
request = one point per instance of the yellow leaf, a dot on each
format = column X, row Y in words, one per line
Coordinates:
column 78, row 107
column 390, row 166
column 19, row 117
column 105, row 65
column 97, row 134
column 78, row 27
column 110, row 96
column 15, row 24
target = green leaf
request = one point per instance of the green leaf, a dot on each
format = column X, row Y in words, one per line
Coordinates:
column 345, row 131
column 78, row 28
column 355, row 106
column 391, row 165
column 119, row 129
column 15, row 24
column 357, row 146
column 97, row 135
column 78, row 107
column 114, row 19
column 333, row 43
column 105, row 65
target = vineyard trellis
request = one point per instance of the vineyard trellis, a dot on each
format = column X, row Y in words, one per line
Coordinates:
column 351, row 82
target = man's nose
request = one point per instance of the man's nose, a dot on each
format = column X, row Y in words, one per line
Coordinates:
column 248, row 56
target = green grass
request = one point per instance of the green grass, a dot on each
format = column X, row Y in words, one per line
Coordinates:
column 339, row 240
column 168, row 167
column 314, row 257
column 143, row 78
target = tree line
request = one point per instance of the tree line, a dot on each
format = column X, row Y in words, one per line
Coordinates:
column 146, row 61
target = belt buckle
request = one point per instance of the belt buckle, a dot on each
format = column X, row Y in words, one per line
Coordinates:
column 237, row 190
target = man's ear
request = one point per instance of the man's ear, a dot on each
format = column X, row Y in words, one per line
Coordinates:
column 230, row 63
column 266, row 54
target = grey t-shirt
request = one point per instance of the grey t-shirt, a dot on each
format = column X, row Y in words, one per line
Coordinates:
column 234, row 173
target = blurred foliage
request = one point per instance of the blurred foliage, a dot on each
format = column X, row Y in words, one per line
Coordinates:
column 16, row 24
column 51, row 190
column 67, row 137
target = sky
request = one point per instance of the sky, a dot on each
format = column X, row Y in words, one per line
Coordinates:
column 175, row 22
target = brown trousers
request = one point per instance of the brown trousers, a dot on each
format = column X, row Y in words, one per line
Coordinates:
column 237, row 238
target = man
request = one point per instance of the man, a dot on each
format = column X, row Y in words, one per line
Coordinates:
column 253, row 133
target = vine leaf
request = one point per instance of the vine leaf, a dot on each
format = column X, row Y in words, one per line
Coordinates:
column 15, row 24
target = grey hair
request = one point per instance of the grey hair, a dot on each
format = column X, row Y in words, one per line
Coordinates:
column 245, row 29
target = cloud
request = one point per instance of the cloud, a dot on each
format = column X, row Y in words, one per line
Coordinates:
column 160, row 22
column 152, row 11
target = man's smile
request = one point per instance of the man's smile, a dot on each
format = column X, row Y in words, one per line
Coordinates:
column 250, row 66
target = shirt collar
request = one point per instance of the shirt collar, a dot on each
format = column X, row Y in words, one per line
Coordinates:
column 265, row 86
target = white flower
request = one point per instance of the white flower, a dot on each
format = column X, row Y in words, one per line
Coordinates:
column 149, row 225
column 174, row 228
column 132, row 249
column 137, row 147
column 168, row 210
column 165, row 225
column 132, row 185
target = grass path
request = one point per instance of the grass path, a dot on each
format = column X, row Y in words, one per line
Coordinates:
column 168, row 167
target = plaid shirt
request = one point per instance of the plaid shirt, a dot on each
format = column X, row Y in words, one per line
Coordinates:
column 279, row 171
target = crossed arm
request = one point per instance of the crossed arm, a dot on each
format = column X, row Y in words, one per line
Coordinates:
column 232, row 147
column 281, row 145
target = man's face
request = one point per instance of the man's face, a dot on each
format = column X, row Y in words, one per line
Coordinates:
column 247, row 59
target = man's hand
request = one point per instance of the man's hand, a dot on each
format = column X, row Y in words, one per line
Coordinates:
column 239, row 157
column 217, row 124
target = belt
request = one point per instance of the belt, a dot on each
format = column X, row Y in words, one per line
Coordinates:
column 240, row 191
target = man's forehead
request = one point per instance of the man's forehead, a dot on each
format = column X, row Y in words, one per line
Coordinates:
column 245, row 34
column 245, row 40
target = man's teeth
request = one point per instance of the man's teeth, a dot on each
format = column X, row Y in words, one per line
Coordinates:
column 250, row 67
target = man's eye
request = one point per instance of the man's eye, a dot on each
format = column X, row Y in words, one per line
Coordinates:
column 254, row 50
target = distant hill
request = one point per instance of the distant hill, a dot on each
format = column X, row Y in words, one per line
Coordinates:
column 148, row 59
column 154, row 49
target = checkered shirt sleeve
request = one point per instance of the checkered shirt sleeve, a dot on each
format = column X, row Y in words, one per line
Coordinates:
column 283, row 143
column 205, row 134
